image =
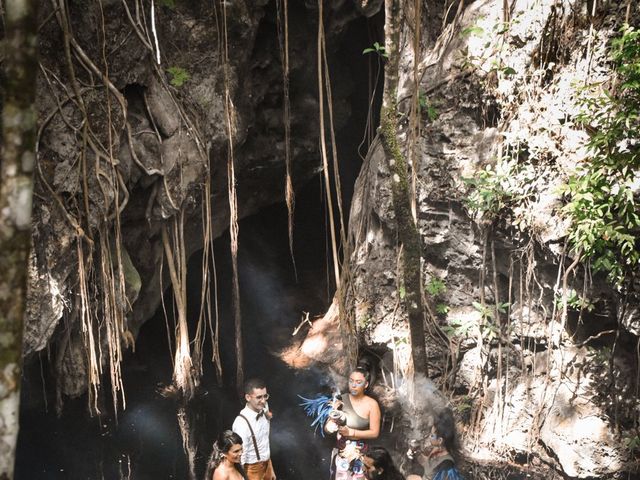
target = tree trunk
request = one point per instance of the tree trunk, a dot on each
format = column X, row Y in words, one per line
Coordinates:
column 407, row 230
column 18, row 158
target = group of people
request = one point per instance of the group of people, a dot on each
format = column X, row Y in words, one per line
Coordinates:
column 354, row 459
column 243, row 453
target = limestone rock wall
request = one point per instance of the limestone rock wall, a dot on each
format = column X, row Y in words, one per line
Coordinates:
column 496, row 85
column 126, row 143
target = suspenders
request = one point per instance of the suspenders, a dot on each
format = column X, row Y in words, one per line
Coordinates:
column 253, row 436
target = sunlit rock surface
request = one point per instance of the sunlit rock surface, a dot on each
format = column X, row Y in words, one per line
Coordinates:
column 502, row 91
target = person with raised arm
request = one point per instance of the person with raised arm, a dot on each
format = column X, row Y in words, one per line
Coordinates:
column 358, row 423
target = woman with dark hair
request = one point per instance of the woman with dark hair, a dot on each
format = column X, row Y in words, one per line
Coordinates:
column 439, row 458
column 360, row 422
column 379, row 465
column 224, row 463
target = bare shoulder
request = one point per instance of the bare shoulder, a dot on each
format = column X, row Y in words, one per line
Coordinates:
column 372, row 402
column 372, row 406
column 220, row 474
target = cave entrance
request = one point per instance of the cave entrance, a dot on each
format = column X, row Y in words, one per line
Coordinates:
column 145, row 441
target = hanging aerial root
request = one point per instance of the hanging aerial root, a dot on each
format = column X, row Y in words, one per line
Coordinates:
column 189, row 444
column 323, row 144
column 88, row 330
column 283, row 37
column 230, row 125
column 184, row 375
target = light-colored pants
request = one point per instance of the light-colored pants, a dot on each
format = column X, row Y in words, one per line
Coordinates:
column 259, row 471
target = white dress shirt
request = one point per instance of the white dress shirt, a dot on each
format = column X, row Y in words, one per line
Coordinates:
column 261, row 427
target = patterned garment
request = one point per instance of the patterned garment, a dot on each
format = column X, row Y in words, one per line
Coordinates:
column 447, row 471
column 346, row 463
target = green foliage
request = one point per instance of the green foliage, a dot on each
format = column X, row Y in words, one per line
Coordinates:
column 400, row 341
column 459, row 328
column 464, row 405
column 491, row 189
column 378, row 49
column 575, row 301
column 472, row 30
column 168, row 3
column 506, row 190
column 442, row 308
column 502, row 307
column 599, row 356
column 428, row 108
column 402, row 292
column 432, row 113
column 489, row 329
column 602, row 208
column 632, row 443
column 497, row 66
column 364, row 321
column 435, row 287
column 422, row 101
column 487, row 311
column 178, row 76
column 501, row 28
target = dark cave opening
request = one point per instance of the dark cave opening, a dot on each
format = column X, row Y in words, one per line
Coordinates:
column 146, row 437
column 145, row 441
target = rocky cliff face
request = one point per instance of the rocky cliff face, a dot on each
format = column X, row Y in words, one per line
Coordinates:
column 126, row 146
column 498, row 90
column 133, row 125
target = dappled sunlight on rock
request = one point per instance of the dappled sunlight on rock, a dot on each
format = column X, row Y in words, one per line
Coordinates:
column 322, row 344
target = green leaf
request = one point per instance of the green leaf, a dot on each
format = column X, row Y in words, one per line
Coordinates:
column 442, row 308
column 422, row 100
column 435, row 287
column 502, row 307
column 472, row 30
column 377, row 48
column 178, row 76
column 449, row 331
column 432, row 113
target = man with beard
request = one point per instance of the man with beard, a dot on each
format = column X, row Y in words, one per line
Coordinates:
column 438, row 459
column 379, row 465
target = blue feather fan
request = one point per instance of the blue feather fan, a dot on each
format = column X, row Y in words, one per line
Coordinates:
column 318, row 408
